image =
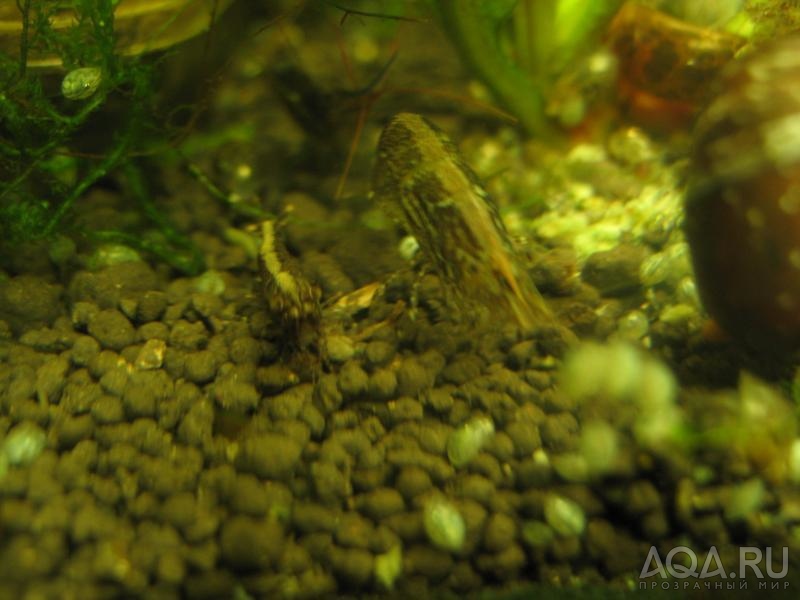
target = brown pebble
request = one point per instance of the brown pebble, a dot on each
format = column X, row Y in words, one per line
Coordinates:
column 525, row 437
column 249, row 496
column 188, row 336
column 440, row 399
column 381, row 503
column 28, row 300
column 250, row 544
column 197, row 425
column 245, row 349
column 330, row 484
column 427, row 561
column 559, row 431
column 50, row 380
column 236, row 396
column 200, row 367
column 503, row 566
column 328, row 396
column 111, row 329
column 408, row 526
column 500, row 532
column 310, row 517
column 269, row 455
column 615, row 549
column 354, row 531
column 275, row 378
column 554, row 272
column 412, row 481
column 144, row 390
column 404, row 409
column 382, row 385
column 84, row 349
column 474, row 487
column 107, row 409
column 412, row 377
column 462, row 368
column 206, row 305
column 153, row 331
column 109, row 285
column 353, row 380
column 151, row 306
column 379, row 353
column 71, row 430
column 615, row 272
column 353, row 565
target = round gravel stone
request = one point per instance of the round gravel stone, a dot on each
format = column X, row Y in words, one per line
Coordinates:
column 84, row 349
column 381, row 503
column 382, row 385
column 379, row 353
column 151, row 306
column 250, row 544
column 28, row 300
column 236, row 396
column 412, row 378
column 352, row 380
column 200, row 366
column 269, row 455
column 245, row 350
column 500, row 532
column 112, row 329
column 188, row 336
column 413, row 481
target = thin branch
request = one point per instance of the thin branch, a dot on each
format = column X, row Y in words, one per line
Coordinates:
column 362, row 13
column 24, row 7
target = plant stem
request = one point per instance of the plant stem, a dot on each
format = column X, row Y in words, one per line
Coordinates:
column 473, row 33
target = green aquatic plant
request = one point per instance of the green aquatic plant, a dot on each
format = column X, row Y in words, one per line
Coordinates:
column 54, row 146
column 518, row 48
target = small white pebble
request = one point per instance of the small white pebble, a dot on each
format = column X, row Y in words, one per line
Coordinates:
column 24, row 443
column 444, row 525
column 599, row 446
column 466, row 442
column 633, row 326
column 210, row 282
column 388, row 567
column 565, row 516
column 409, row 246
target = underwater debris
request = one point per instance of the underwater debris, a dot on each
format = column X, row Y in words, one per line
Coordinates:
column 663, row 59
column 421, row 178
column 743, row 207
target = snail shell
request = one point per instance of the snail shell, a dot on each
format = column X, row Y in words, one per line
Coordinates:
column 82, row 83
column 743, row 208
